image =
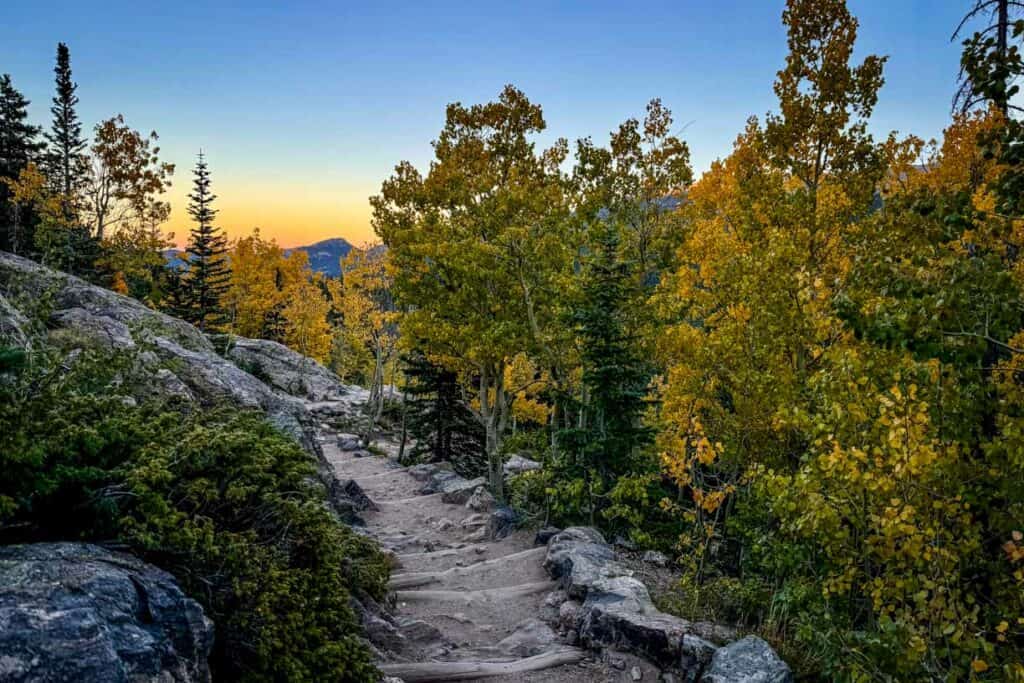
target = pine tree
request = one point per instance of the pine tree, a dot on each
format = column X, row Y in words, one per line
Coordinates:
column 208, row 277
column 18, row 146
column 609, row 436
column 66, row 158
column 440, row 424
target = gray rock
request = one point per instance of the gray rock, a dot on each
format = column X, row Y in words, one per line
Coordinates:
column 349, row 500
column 458, row 491
column 425, row 471
column 578, row 557
column 171, row 386
column 76, row 612
column 481, row 500
column 695, row 655
column 502, row 522
column 545, row 535
column 656, row 558
column 517, row 464
column 286, row 370
column 349, row 442
column 14, row 326
column 750, row 660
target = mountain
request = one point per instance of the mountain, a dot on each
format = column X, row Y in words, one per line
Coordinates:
column 324, row 257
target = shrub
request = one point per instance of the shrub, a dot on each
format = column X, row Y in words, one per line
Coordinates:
column 217, row 497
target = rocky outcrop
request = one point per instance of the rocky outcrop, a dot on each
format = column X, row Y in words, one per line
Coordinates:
column 76, row 612
column 286, row 370
column 606, row 607
column 172, row 359
column 13, row 325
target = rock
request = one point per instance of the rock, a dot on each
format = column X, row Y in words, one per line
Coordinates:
column 656, row 558
column 458, row 491
column 76, row 612
column 568, row 612
column 439, row 479
column 578, row 557
column 425, row 471
column 349, row 442
column 286, row 370
column 14, row 326
column 545, row 535
column 481, row 500
column 517, row 464
column 555, row 599
column 347, row 493
column 503, row 522
column 750, row 660
column 173, row 387
column 444, row 524
column 635, row 673
column 695, row 655
column 361, row 453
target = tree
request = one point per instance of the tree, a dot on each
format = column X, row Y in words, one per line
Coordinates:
column 66, row 162
column 18, row 147
column 478, row 249
column 442, row 427
column 369, row 316
column 263, row 280
column 208, row 275
column 606, row 446
column 989, row 65
column 126, row 179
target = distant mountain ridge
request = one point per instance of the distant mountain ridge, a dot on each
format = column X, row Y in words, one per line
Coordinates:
column 324, row 256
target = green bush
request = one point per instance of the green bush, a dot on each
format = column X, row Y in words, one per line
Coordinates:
column 217, row 497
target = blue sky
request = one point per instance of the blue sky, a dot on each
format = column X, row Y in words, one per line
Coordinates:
column 304, row 107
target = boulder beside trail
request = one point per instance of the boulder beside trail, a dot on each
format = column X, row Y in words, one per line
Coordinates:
column 76, row 612
column 608, row 608
column 286, row 370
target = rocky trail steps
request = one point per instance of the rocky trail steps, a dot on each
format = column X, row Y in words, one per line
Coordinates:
column 475, row 599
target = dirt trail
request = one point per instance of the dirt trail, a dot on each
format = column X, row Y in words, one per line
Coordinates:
column 466, row 608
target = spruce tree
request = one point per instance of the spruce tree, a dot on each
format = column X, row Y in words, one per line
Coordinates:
column 207, row 278
column 66, row 158
column 441, row 425
column 18, row 146
column 609, row 439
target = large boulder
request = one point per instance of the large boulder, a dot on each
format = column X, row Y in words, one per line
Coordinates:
column 578, row 557
column 286, row 370
column 617, row 612
column 518, row 464
column 76, row 612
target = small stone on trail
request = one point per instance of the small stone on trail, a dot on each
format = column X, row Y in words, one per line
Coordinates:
column 635, row 673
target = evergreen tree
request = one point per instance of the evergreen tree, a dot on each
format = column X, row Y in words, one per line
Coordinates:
column 66, row 158
column 607, row 442
column 208, row 277
column 18, row 146
column 440, row 424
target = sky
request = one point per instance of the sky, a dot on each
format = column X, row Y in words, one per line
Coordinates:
column 304, row 108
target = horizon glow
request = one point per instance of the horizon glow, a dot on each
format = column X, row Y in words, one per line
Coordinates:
column 303, row 110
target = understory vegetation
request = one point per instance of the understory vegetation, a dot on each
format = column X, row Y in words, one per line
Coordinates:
column 228, row 505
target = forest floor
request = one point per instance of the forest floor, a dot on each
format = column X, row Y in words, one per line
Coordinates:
column 465, row 608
